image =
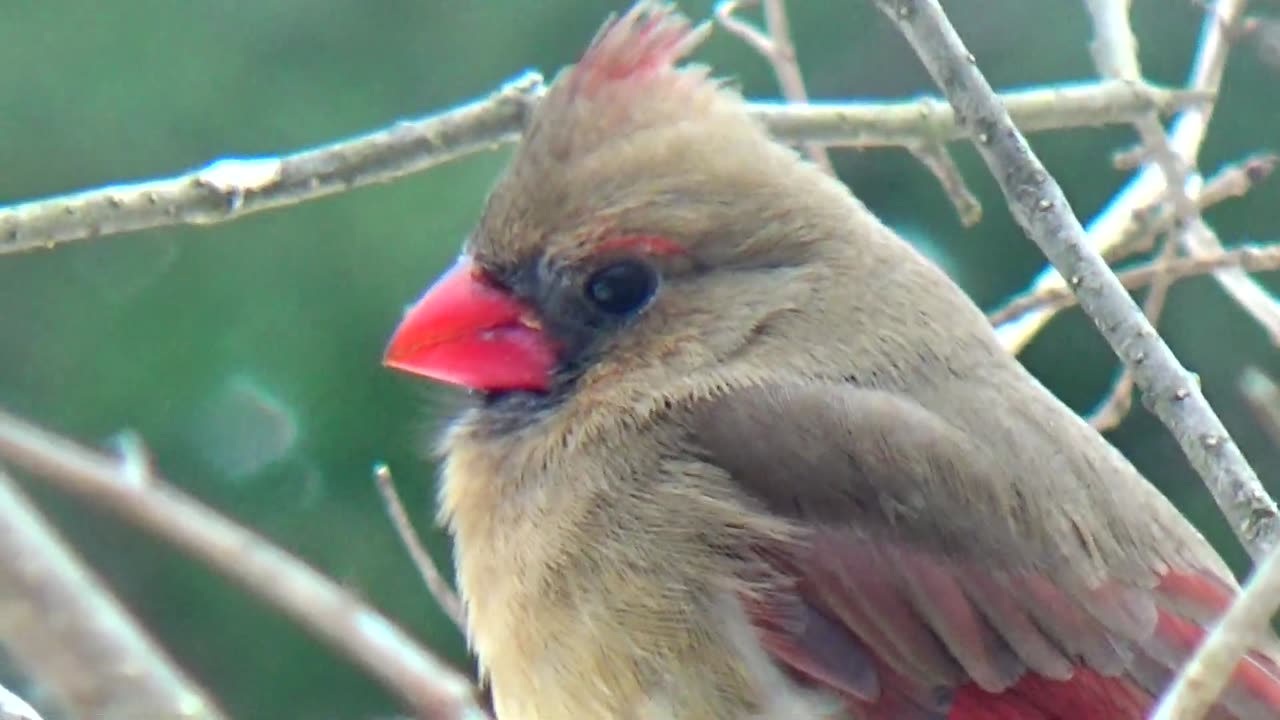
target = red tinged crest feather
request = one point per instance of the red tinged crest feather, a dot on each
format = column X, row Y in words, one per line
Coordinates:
column 642, row 44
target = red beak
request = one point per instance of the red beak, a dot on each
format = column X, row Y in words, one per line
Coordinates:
column 467, row 331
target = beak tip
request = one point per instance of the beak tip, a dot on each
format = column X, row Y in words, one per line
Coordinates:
column 464, row 331
column 395, row 355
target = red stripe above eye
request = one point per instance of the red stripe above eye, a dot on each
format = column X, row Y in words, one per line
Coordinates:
column 651, row 245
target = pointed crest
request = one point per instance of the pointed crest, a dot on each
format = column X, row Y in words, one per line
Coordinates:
column 627, row 80
column 645, row 42
column 625, row 122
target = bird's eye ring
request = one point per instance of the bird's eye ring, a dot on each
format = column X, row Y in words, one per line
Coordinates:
column 622, row 288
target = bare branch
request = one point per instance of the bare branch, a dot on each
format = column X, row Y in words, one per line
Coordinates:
column 938, row 161
column 1236, row 180
column 431, row 577
column 928, row 119
column 1114, row 47
column 424, row 682
column 1040, row 207
column 64, row 627
column 1230, row 181
column 1113, row 409
column 775, row 46
column 229, row 189
column 1193, row 235
column 1205, row 675
column 1115, row 52
column 1250, row 258
column 1108, row 229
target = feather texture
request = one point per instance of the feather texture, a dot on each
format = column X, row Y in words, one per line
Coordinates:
column 801, row 480
column 977, row 628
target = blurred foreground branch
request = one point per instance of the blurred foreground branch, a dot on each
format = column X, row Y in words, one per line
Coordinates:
column 231, row 188
column 133, row 491
column 1205, row 675
column 61, row 624
column 13, row 707
column 1040, row 207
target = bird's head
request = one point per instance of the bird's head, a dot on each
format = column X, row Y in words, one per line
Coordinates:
column 647, row 230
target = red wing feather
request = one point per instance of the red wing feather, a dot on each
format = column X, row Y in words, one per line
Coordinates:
column 901, row 634
column 928, row 582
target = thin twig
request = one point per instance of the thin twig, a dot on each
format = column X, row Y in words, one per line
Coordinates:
column 938, row 161
column 1115, row 51
column 1236, row 180
column 1230, row 181
column 775, row 46
column 1130, row 158
column 1262, row 394
column 1251, row 258
column 1208, row 671
column 1109, row 228
column 1194, row 236
column 424, row 682
column 1040, row 207
column 62, row 625
column 231, row 188
column 431, row 576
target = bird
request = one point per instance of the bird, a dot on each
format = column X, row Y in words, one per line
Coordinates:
column 731, row 448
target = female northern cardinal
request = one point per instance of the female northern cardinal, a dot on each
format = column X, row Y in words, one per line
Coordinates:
column 738, row 451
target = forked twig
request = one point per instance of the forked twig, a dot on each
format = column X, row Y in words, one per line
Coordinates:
column 1108, row 228
column 1230, row 181
column 774, row 44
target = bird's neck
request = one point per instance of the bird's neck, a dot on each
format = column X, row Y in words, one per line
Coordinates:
column 583, row 570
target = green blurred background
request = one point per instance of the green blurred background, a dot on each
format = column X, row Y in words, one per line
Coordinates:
column 247, row 354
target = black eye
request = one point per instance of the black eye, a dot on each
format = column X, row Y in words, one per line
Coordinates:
column 623, row 287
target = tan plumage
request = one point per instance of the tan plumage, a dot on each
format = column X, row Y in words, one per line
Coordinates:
column 804, row 480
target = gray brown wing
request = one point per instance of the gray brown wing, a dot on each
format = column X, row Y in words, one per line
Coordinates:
column 920, row 589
